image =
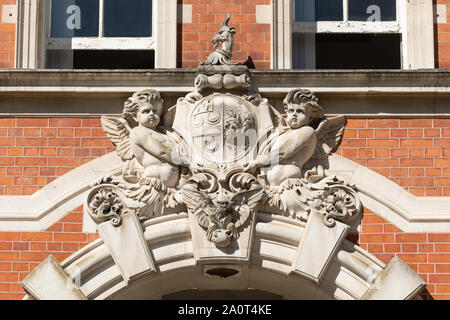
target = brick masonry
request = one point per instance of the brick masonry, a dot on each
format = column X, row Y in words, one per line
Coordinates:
column 414, row 153
column 35, row 151
column 7, row 39
column 442, row 36
column 251, row 39
column 21, row 252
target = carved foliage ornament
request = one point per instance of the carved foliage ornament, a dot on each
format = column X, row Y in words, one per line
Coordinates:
column 226, row 155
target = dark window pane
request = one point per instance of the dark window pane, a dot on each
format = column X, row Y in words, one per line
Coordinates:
column 125, row 18
column 100, row 59
column 305, row 10
column 329, row 10
column 358, row 51
column 372, row 10
column 318, row 10
column 304, row 48
column 74, row 18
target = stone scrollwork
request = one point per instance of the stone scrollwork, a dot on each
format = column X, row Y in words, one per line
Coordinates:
column 227, row 155
column 105, row 203
column 337, row 203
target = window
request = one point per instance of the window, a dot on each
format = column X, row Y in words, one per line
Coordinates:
column 352, row 34
column 346, row 34
column 100, row 34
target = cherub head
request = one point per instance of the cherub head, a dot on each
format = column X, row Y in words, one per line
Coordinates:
column 302, row 108
column 144, row 107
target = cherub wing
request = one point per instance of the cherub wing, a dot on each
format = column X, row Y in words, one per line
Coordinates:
column 118, row 131
column 245, row 204
column 329, row 136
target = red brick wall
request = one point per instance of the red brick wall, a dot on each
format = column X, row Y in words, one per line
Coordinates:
column 442, row 39
column 251, row 39
column 35, row 151
column 7, row 40
column 21, row 252
column 428, row 254
column 412, row 152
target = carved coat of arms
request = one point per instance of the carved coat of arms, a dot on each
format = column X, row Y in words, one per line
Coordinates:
column 227, row 155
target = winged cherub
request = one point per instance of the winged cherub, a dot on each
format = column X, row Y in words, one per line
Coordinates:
column 308, row 134
column 151, row 156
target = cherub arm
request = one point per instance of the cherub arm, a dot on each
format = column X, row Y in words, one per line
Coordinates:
column 286, row 146
column 159, row 146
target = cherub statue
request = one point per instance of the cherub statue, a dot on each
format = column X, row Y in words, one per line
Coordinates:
column 151, row 157
column 308, row 135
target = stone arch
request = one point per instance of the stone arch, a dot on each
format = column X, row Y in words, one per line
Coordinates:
column 106, row 270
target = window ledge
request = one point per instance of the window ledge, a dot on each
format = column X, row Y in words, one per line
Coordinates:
column 346, row 27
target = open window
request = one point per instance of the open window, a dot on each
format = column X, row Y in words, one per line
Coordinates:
column 100, row 34
column 346, row 34
column 97, row 34
column 353, row 34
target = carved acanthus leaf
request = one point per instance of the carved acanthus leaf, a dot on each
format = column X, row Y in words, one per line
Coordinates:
column 339, row 203
column 105, row 203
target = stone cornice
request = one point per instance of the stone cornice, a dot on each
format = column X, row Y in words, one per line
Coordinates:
column 268, row 81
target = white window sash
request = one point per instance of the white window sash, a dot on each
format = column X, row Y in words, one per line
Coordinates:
column 347, row 27
column 104, row 43
column 101, row 44
column 417, row 38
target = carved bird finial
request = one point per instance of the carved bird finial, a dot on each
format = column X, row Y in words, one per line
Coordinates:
column 223, row 55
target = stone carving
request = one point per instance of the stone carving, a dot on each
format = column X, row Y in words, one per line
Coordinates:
column 150, row 173
column 105, row 204
column 337, row 203
column 223, row 55
column 219, row 210
column 228, row 155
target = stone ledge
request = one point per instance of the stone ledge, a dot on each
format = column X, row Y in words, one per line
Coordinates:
column 176, row 80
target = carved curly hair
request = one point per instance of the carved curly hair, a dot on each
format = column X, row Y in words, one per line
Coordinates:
column 132, row 105
column 299, row 96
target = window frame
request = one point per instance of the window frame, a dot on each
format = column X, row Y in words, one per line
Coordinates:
column 33, row 35
column 417, row 39
column 101, row 42
column 343, row 26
